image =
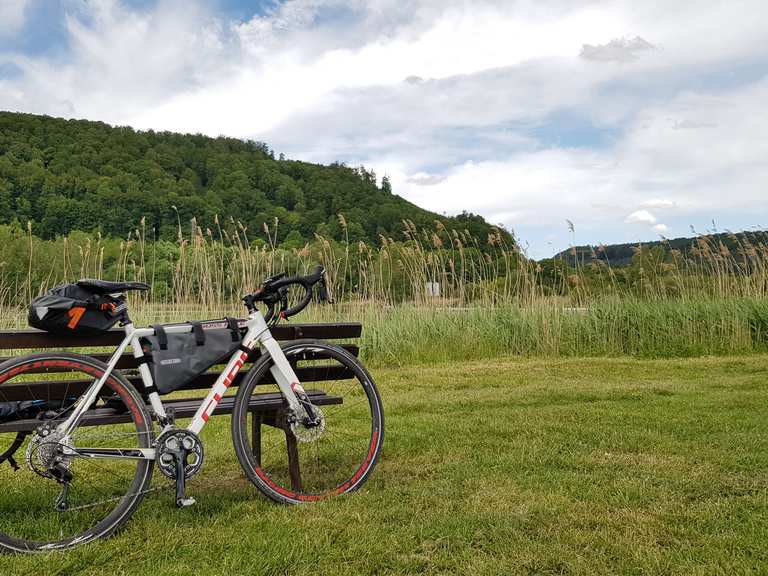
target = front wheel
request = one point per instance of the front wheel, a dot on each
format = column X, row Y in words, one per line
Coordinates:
column 293, row 466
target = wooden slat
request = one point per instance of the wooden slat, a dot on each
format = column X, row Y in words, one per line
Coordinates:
column 127, row 361
column 58, row 389
column 182, row 409
column 26, row 339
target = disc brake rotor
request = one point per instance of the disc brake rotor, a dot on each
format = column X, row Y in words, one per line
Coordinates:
column 307, row 434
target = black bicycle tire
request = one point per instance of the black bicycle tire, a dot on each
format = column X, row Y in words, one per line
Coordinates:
column 240, row 414
column 123, row 512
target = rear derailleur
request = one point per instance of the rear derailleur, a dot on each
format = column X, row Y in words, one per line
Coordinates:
column 46, row 457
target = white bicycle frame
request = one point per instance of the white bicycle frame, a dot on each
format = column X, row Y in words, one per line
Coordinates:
column 257, row 332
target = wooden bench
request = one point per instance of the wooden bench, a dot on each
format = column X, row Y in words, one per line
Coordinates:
column 267, row 408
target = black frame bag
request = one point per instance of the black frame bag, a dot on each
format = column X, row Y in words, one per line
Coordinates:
column 73, row 310
column 177, row 359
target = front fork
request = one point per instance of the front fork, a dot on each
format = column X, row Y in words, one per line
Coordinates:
column 288, row 382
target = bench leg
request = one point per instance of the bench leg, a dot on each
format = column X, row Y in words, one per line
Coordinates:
column 256, row 436
column 278, row 420
column 293, row 460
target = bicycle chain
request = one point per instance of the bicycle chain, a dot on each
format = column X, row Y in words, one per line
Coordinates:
column 170, row 487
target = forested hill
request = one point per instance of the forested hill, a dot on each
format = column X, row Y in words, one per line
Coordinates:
column 65, row 175
column 737, row 246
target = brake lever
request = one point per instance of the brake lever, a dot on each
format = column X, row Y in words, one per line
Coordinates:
column 283, row 292
column 324, row 297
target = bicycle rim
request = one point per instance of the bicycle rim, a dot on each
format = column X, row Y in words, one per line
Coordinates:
column 340, row 459
column 102, row 492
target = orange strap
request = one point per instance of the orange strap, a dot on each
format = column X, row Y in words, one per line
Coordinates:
column 75, row 314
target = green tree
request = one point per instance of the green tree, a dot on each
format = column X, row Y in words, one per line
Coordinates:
column 65, row 175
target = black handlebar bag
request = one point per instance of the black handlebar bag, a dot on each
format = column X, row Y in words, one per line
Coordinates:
column 176, row 359
column 72, row 310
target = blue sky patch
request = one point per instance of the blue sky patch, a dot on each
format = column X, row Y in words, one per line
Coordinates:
column 44, row 31
column 9, row 71
column 570, row 129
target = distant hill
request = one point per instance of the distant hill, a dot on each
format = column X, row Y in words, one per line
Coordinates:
column 620, row 255
column 65, row 175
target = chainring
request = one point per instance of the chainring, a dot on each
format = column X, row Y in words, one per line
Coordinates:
column 171, row 441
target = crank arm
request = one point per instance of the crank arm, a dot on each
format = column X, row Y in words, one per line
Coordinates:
column 182, row 501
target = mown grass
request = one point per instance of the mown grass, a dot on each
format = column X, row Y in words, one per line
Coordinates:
column 507, row 466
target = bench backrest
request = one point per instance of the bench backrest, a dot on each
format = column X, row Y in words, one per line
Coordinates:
column 19, row 342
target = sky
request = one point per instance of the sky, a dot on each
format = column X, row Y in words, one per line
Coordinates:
column 631, row 120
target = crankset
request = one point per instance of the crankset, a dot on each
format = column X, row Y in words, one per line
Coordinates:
column 179, row 457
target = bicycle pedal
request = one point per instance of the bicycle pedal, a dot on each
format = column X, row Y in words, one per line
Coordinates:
column 185, row 502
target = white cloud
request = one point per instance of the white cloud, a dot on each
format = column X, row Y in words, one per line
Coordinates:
column 653, row 168
column 660, row 203
column 640, row 217
column 12, row 16
column 280, row 80
column 617, row 50
column 121, row 62
column 424, row 179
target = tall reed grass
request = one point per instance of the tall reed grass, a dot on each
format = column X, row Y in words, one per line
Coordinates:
column 492, row 299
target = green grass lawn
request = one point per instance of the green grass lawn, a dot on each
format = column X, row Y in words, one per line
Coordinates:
column 598, row 466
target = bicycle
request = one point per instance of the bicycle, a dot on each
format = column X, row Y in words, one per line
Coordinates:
column 82, row 476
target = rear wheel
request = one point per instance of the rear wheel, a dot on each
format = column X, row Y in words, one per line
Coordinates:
column 37, row 511
column 293, row 465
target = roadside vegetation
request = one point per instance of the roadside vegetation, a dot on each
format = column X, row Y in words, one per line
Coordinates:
column 432, row 294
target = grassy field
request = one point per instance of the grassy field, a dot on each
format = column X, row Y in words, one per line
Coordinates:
column 508, row 466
